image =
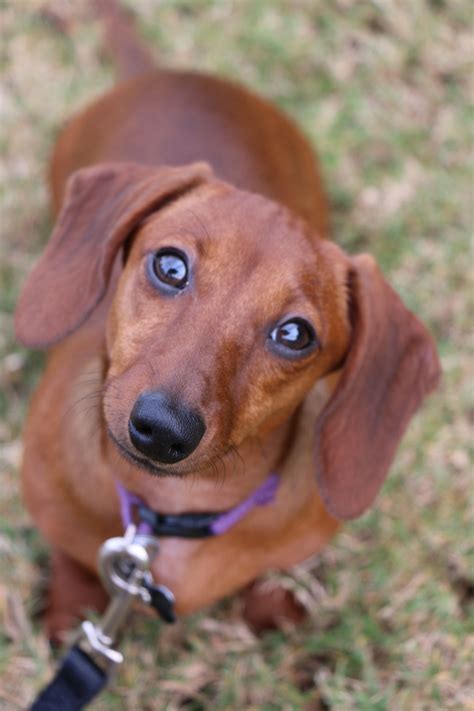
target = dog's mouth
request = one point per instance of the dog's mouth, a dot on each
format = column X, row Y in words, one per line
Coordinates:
column 144, row 463
column 179, row 469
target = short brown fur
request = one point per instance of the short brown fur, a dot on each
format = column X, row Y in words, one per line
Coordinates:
column 253, row 221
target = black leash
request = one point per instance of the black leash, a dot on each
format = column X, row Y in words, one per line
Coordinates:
column 125, row 569
column 124, row 566
column 76, row 683
column 86, row 668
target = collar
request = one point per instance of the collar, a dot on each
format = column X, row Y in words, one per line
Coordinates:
column 189, row 524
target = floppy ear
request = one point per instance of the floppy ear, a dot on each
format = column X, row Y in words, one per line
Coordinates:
column 391, row 365
column 101, row 207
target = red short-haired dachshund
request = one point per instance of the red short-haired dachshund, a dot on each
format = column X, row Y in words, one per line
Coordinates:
column 203, row 333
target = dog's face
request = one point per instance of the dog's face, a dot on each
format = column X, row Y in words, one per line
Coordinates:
column 227, row 312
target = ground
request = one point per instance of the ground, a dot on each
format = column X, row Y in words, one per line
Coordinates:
column 382, row 88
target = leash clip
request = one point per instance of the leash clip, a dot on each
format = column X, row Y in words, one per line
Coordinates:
column 90, row 662
column 124, row 567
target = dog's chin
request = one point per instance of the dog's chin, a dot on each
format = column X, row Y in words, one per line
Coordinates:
column 143, row 463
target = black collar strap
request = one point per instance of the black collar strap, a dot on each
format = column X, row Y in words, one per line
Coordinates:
column 184, row 525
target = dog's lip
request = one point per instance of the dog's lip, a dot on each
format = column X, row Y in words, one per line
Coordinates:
column 141, row 461
column 169, row 470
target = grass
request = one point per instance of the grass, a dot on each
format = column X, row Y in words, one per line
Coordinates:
column 383, row 90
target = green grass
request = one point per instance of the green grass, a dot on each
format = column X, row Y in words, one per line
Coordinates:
column 383, row 91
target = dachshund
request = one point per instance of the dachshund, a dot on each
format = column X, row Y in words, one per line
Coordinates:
column 203, row 332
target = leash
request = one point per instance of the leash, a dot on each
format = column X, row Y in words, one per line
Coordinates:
column 125, row 569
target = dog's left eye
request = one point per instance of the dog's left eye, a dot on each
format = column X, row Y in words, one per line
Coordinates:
column 294, row 335
column 168, row 268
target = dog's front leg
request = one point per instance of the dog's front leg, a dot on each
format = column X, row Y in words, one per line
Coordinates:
column 72, row 591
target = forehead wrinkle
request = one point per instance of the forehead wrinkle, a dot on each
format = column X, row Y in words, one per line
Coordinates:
column 204, row 237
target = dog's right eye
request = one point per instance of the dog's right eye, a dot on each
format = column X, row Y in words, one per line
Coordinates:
column 168, row 269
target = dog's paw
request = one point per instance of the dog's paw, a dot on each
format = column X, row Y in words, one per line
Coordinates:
column 269, row 606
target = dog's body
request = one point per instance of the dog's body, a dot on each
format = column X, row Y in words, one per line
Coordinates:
column 265, row 242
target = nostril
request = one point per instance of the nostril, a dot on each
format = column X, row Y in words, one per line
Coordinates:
column 177, row 450
column 144, row 429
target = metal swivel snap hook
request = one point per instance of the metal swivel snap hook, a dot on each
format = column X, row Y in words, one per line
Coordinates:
column 124, row 560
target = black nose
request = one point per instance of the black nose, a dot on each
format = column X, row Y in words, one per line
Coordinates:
column 163, row 430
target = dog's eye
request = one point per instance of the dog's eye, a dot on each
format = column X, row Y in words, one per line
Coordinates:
column 295, row 335
column 169, row 267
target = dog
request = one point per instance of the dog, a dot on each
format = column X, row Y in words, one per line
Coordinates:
column 203, row 332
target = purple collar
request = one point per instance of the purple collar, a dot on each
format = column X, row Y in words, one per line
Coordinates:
column 193, row 525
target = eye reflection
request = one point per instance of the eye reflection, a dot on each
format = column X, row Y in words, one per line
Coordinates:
column 295, row 335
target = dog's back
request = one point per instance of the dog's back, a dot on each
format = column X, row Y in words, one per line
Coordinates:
column 163, row 117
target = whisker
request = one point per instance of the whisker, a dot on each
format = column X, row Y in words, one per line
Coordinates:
column 92, row 395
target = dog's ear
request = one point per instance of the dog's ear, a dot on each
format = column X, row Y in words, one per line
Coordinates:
column 391, row 365
column 102, row 205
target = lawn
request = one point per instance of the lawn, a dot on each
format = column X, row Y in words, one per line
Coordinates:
column 383, row 90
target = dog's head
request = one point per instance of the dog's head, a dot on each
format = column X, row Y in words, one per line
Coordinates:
column 226, row 312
